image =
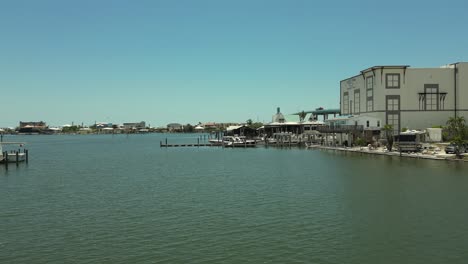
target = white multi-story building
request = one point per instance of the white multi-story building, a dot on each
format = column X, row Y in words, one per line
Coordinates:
column 404, row 97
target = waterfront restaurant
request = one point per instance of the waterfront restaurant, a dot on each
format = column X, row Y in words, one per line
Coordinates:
column 292, row 124
column 32, row 127
column 241, row 130
column 279, row 124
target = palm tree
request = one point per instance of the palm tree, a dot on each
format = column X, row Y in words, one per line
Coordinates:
column 388, row 129
column 302, row 116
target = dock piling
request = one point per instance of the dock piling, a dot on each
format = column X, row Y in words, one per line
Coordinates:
column 27, row 155
column 17, row 158
column 5, row 154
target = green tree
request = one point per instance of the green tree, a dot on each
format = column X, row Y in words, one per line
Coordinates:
column 457, row 131
column 388, row 129
column 456, row 126
column 71, row 129
column 360, row 142
column 249, row 122
column 188, row 128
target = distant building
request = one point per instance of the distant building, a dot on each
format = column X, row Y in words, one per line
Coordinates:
column 101, row 125
column 173, row 127
column 278, row 117
column 137, row 126
column 32, row 127
column 38, row 125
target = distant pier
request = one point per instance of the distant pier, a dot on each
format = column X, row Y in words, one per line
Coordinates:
column 163, row 145
column 199, row 143
column 13, row 156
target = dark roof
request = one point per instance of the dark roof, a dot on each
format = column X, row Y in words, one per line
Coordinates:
column 174, row 124
column 321, row 112
column 385, row 67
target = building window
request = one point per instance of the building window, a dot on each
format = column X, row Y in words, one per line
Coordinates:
column 370, row 105
column 393, row 104
column 393, row 112
column 367, row 123
column 392, row 80
column 394, row 121
column 431, row 98
column 369, row 82
column 370, row 94
column 357, row 102
column 378, row 123
column 345, row 103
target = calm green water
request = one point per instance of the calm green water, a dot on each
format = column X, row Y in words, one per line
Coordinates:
column 119, row 199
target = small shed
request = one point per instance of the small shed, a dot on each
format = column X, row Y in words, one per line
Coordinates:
column 434, row 135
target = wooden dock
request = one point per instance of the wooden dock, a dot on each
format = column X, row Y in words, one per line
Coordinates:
column 165, row 144
column 13, row 156
column 188, row 145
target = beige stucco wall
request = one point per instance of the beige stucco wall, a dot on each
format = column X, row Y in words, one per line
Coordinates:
column 462, row 86
column 415, row 80
column 351, row 85
column 412, row 81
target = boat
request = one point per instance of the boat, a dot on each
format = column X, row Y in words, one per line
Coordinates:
column 239, row 142
column 216, row 142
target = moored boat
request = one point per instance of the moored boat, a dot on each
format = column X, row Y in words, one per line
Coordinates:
column 240, row 142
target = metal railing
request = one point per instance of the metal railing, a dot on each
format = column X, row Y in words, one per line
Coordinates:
column 340, row 129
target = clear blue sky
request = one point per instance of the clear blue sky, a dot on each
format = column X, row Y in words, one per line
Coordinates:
column 223, row 61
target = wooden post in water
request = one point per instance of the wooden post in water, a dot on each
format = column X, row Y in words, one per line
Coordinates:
column 166, row 142
column 198, row 142
column 5, row 154
column 26, row 152
column 17, row 158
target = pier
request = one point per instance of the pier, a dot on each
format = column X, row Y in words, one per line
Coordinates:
column 162, row 145
column 13, row 156
column 199, row 143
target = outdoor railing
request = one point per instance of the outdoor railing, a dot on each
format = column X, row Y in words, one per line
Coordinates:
column 340, row 129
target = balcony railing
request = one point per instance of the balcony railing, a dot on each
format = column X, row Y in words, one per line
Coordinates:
column 340, row 129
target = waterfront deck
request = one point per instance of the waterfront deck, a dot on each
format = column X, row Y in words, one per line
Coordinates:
column 13, row 156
